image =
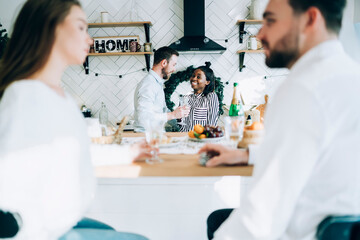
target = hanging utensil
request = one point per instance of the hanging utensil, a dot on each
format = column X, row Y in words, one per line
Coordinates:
column 117, row 134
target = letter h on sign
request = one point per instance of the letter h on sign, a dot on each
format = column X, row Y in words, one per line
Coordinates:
column 99, row 46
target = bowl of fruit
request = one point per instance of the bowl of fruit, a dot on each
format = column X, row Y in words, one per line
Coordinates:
column 206, row 133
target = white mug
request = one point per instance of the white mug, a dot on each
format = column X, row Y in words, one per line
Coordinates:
column 104, row 17
column 93, row 127
column 252, row 43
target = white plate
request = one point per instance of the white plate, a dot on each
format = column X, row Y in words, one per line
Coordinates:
column 173, row 143
column 206, row 140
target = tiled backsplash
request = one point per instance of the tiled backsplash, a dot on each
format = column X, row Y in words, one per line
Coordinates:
column 167, row 19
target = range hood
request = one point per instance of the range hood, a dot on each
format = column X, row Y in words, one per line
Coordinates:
column 194, row 39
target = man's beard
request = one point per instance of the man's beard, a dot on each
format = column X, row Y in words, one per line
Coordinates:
column 165, row 74
column 285, row 52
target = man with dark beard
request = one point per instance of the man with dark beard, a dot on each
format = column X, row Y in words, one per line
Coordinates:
column 307, row 166
column 149, row 98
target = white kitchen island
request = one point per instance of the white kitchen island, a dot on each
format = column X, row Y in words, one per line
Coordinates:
column 171, row 200
column 164, row 208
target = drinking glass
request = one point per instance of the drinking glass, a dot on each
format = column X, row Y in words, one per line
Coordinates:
column 153, row 134
column 234, row 129
column 183, row 101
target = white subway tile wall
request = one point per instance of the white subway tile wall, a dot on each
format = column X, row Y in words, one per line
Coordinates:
column 167, row 19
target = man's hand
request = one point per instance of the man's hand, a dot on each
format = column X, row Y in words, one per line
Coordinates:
column 179, row 112
column 226, row 155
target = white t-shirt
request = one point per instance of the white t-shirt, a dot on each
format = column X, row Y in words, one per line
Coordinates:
column 45, row 168
column 309, row 162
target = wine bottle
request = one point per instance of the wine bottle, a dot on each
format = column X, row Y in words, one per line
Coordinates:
column 236, row 108
column 103, row 115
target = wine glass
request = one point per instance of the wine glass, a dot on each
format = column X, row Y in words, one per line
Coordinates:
column 234, row 129
column 183, row 101
column 154, row 130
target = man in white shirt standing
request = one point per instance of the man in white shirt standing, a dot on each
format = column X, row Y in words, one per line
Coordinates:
column 149, row 98
column 308, row 164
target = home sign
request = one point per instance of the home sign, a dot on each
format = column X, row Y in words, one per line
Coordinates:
column 114, row 44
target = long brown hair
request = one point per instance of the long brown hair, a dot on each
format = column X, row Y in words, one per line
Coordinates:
column 32, row 39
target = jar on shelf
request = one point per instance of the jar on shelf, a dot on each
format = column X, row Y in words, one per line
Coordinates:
column 147, row 47
column 252, row 43
column 86, row 111
column 104, row 17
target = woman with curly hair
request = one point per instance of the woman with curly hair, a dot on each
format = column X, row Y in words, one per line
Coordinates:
column 203, row 102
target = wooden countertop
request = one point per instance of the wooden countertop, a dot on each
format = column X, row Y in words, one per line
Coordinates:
column 174, row 165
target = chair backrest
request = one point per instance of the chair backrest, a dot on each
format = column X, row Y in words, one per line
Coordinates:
column 339, row 228
column 9, row 224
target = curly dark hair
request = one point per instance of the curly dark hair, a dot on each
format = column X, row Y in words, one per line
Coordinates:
column 209, row 74
column 184, row 76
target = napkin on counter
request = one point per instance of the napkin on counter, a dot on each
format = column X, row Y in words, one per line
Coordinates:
column 183, row 146
column 110, row 154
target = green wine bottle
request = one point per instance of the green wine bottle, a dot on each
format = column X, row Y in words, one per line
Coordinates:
column 236, row 108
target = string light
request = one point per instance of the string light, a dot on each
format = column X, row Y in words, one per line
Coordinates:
column 119, row 76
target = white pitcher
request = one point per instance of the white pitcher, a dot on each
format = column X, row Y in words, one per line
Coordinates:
column 257, row 8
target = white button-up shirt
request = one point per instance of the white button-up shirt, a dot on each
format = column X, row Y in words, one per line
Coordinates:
column 149, row 101
column 308, row 165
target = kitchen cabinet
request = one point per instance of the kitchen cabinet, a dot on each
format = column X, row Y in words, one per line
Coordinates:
column 241, row 53
column 145, row 24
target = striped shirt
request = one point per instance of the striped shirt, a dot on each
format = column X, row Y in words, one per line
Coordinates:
column 204, row 110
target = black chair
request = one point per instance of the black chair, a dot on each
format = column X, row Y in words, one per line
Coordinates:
column 339, row 228
column 9, row 224
column 215, row 219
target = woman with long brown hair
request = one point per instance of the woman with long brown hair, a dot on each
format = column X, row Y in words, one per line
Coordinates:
column 45, row 168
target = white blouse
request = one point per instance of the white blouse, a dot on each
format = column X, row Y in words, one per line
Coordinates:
column 45, row 168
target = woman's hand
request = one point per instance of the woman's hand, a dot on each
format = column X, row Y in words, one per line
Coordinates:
column 141, row 150
column 226, row 155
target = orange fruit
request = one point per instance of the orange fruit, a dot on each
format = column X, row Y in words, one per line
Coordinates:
column 202, row 136
column 198, row 128
column 191, row 134
column 256, row 126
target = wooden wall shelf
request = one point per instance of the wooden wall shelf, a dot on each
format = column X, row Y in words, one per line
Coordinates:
column 145, row 24
column 242, row 56
column 119, row 24
column 249, row 21
column 119, row 53
column 241, row 53
column 251, row 51
column 241, row 24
